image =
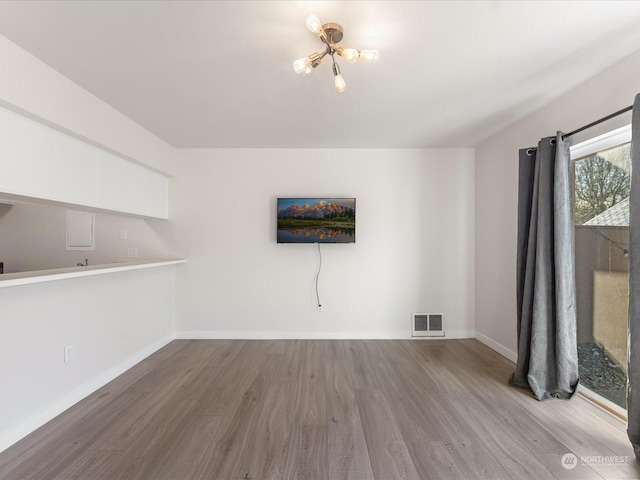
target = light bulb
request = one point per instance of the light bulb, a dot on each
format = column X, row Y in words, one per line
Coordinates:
column 341, row 86
column 313, row 24
column 370, row 55
column 350, row 54
column 300, row 65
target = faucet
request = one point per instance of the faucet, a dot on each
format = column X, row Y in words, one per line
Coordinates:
column 85, row 264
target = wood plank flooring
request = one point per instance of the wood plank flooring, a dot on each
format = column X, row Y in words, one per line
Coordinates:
column 307, row 409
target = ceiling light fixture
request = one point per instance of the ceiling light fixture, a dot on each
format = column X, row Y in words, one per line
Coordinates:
column 330, row 34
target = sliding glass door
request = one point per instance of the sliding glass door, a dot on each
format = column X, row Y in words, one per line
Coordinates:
column 602, row 187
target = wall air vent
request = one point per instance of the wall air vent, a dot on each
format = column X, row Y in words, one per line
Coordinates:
column 427, row 325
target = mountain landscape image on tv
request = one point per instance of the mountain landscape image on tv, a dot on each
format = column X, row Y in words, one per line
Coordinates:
column 316, row 220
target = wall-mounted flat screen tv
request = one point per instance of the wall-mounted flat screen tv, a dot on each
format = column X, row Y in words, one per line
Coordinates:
column 316, row 220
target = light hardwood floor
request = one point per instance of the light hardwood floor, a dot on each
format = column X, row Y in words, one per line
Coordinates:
column 306, row 409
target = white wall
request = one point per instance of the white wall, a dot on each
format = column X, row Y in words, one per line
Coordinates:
column 33, row 237
column 414, row 247
column 496, row 196
column 112, row 321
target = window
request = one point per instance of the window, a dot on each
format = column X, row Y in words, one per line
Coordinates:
column 602, row 174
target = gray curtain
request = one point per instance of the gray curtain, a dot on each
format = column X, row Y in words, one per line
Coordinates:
column 633, row 396
column 547, row 349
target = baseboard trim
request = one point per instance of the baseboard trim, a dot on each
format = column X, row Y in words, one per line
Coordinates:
column 34, row 422
column 258, row 335
column 501, row 349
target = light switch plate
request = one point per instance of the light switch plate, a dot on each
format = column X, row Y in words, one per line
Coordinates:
column 68, row 354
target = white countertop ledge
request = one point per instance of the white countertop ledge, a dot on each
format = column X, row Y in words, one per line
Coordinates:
column 39, row 276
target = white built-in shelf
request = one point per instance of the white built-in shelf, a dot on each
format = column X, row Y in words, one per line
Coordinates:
column 39, row 276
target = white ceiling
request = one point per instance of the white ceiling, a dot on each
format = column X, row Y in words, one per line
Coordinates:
column 218, row 73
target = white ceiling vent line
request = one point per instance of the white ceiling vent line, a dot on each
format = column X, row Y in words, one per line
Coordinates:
column 427, row 325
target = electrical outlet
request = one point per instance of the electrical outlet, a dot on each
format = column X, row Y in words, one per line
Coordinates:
column 320, row 308
column 68, row 353
column 132, row 252
column 123, row 234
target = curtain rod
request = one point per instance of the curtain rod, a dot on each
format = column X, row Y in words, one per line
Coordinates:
column 601, row 120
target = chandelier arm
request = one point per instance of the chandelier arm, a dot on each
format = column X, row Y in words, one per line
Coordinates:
column 316, row 58
column 323, row 37
column 335, row 66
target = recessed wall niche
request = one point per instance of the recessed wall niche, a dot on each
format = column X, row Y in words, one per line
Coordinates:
column 35, row 237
